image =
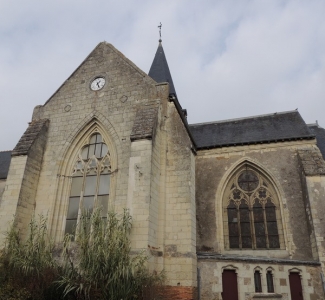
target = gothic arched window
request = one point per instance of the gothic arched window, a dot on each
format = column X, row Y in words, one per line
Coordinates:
column 90, row 181
column 252, row 210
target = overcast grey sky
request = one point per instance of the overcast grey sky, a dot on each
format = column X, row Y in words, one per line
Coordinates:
column 228, row 58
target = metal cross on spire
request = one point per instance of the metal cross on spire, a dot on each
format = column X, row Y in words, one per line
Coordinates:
column 159, row 26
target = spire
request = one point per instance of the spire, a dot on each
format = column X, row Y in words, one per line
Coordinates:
column 159, row 70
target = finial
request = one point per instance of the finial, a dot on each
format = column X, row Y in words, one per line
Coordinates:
column 160, row 25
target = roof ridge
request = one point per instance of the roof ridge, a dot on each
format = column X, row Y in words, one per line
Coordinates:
column 315, row 124
column 245, row 118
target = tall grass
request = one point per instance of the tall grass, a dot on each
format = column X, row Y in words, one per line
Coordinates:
column 100, row 266
column 28, row 267
column 97, row 265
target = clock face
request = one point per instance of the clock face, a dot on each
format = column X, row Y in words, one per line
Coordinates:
column 98, row 83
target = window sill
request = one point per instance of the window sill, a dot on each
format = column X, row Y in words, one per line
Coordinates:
column 267, row 296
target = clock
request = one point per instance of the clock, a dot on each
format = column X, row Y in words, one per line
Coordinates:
column 98, row 83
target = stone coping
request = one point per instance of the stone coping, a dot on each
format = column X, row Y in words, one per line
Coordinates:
column 250, row 259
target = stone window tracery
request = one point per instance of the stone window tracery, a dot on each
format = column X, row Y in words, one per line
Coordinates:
column 252, row 212
column 90, row 186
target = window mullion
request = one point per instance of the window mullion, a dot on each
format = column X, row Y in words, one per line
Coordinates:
column 81, row 201
column 239, row 229
column 97, row 184
column 265, row 225
column 251, row 216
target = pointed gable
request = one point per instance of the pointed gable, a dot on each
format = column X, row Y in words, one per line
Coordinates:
column 159, row 70
column 104, row 59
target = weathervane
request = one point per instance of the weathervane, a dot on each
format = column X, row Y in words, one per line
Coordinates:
column 160, row 25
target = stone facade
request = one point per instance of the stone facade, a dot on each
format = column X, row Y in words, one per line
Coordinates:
column 211, row 272
column 174, row 189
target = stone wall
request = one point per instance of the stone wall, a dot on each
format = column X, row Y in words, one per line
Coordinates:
column 280, row 161
column 180, row 228
column 2, row 187
column 18, row 200
column 211, row 279
column 153, row 167
column 313, row 182
column 75, row 110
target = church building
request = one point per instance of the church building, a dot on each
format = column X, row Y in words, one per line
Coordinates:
column 231, row 210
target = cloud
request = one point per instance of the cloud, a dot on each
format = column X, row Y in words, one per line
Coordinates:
column 228, row 58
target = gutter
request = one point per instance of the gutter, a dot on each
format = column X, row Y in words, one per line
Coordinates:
column 309, row 137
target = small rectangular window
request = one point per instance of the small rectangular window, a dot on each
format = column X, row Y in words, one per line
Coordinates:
column 73, row 208
column 103, row 204
column 98, row 149
column 269, row 280
column 258, row 283
column 88, row 203
column 90, row 186
column 76, row 186
column 104, row 184
column 70, row 227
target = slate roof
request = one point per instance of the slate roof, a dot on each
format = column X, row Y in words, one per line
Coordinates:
column 319, row 132
column 29, row 136
column 258, row 129
column 144, row 123
column 159, row 70
column 5, row 158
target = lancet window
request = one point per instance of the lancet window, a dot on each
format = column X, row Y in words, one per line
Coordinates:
column 90, row 185
column 252, row 212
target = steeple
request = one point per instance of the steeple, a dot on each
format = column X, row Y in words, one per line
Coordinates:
column 159, row 70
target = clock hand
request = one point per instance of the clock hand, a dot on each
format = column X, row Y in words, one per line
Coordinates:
column 97, row 83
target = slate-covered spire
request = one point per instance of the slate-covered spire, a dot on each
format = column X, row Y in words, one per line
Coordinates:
column 159, row 70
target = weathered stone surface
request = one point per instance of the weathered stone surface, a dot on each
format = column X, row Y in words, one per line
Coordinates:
column 34, row 129
column 312, row 162
column 210, row 279
column 278, row 161
column 144, row 123
column 153, row 168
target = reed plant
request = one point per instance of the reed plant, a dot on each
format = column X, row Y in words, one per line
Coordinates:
column 100, row 264
column 27, row 266
column 95, row 263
